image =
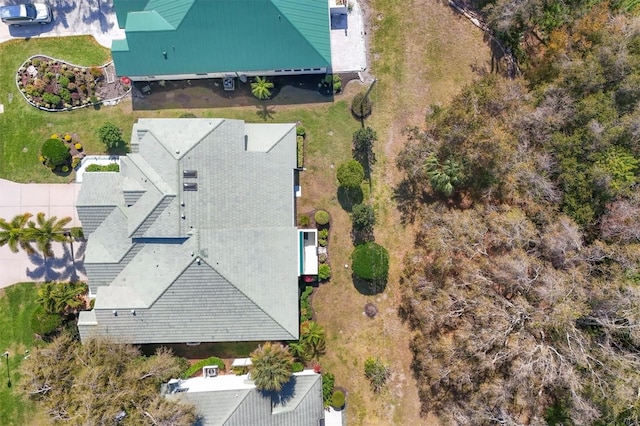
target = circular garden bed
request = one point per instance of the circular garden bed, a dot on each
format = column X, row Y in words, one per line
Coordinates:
column 54, row 85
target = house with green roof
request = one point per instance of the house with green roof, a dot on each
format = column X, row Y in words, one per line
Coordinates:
column 194, row 239
column 230, row 400
column 189, row 39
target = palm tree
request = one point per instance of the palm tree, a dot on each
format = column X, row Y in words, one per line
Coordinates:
column 61, row 298
column 44, row 231
column 299, row 351
column 14, row 233
column 271, row 366
column 261, row 88
column 312, row 337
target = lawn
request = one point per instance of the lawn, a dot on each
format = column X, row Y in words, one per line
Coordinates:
column 23, row 128
column 17, row 304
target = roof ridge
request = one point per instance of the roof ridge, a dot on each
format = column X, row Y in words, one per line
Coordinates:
column 304, row 37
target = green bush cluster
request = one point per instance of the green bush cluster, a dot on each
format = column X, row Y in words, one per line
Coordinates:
column 193, row 369
column 337, row 400
column 301, row 131
column 337, row 83
column 323, row 236
column 63, row 81
column 328, row 381
column 322, row 218
column 300, row 150
column 110, row 135
column 51, row 99
column 55, row 153
column 306, row 313
column 304, row 221
column 297, row 367
column 350, row 174
column 370, row 262
column 45, row 323
column 324, row 272
column 113, row 167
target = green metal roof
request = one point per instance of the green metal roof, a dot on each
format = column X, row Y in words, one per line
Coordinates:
column 200, row 36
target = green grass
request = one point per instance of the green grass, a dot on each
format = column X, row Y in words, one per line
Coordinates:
column 23, row 128
column 17, row 304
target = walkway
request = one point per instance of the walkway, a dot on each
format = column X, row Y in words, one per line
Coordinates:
column 348, row 41
column 53, row 200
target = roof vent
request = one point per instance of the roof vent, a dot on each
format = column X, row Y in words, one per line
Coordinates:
column 190, row 173
column 190, row 186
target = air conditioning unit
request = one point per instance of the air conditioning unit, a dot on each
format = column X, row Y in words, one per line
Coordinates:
column 210, row 371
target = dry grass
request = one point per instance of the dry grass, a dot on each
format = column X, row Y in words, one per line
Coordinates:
column 421, row 54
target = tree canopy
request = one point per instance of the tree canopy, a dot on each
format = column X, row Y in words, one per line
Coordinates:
column 94, row 382
column 350, row 174
column 271, row 366
column 522, row 285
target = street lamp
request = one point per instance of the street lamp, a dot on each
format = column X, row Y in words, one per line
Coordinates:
column 6, row 355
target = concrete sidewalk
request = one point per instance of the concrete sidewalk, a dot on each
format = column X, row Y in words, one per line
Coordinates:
column 348, row 41
column 73, row 17
column 53, row 200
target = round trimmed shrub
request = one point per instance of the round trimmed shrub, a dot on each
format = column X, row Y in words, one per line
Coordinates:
column 370, row 262
column 361, row 106
column 55, row 152
column 324, row 272
column 78, row 146
column 321, row 217
column 301, row 131
column 44, row 323
column 337, row 400
column 297, row 367
column 350, row 174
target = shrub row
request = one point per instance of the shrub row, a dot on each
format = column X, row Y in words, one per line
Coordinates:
column 193, row 369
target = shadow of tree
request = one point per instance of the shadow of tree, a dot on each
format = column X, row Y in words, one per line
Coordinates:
column 61, row 267
column 265, row 112
column 285, row 395
column 409, row 198
column 349, row 197
column 361, row 236
column 368, row 288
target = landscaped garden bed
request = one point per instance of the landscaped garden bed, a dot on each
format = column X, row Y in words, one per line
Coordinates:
column 54, row 85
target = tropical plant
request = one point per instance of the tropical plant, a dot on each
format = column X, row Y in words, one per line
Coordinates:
column 61, row 298
column 312, row 336
column 324, row 272
column 377, row 372
column 13, row 233
column 299, row 351
column 304, row 220
column 445, row 176
column 350, row 174
column 55, row 152
column 261, row 88
column 111, row 136
column 271, row 366
column 45, row 231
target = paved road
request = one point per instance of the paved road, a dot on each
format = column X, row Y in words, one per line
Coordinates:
column 71, row 17
column 54, row 200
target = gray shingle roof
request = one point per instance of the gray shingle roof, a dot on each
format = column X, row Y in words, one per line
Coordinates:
column 298, row 404
column 237, row 229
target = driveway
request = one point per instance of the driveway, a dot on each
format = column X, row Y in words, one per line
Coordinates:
column 54, row 200
column 71, row 17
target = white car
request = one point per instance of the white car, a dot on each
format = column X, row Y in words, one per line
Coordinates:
column 25, row 14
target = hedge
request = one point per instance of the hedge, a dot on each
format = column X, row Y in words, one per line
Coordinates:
column 370, row 262
column 193, row 369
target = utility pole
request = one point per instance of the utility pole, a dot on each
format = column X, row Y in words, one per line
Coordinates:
column 6, row 355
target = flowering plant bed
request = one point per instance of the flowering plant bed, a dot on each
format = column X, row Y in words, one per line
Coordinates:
column 54, row 85
column 70, row 156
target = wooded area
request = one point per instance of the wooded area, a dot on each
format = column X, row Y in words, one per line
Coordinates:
column 522, row 287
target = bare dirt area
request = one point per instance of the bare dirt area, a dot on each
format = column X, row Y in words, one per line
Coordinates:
column 422, row 54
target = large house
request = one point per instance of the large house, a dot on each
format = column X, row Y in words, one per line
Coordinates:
column 189, row 39
column 231, row 400
column 194, row 240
